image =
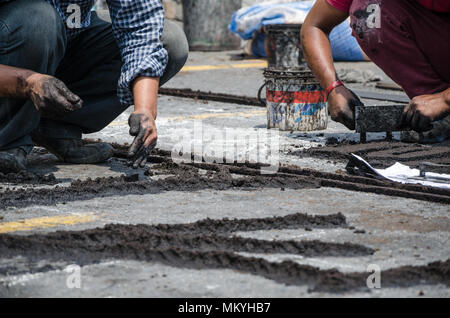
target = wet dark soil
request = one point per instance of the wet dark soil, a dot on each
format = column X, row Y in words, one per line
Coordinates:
column 384, row 154
column 188, row 246
column 341, row 181
column 336, row 180
column 185, row 178
column 211, row 244
column 292, row 221
column 26, row 177
column 205, row 235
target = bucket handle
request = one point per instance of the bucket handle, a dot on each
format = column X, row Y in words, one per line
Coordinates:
column 262, row 101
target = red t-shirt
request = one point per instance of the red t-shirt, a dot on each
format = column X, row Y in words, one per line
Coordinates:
column 435, row 5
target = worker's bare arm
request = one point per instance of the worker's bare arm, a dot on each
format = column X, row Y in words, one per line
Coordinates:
column 49, row 95
column 142, row 120
column 317, row 50
column 13, row 82
column 314, row 35
column 447, row 98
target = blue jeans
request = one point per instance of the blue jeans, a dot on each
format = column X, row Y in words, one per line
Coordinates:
column 32, row 36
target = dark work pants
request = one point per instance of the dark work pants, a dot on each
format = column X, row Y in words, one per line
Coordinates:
column 32, row 36
column 411, row 43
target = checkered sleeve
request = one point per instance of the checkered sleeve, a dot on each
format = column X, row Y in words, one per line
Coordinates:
column 138, row 26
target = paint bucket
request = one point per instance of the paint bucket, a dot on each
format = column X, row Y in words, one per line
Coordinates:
column 283, row 46
column 206, row 24
column 295, row 101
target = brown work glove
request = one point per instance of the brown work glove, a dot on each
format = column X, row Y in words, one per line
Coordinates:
column 51, row 97
column 341, row 104
column 143, row 127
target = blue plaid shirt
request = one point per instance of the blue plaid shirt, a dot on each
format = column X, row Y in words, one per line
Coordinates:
column 137, row 26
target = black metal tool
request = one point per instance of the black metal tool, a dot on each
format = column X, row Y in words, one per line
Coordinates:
column 378, row 119
column 433, row 167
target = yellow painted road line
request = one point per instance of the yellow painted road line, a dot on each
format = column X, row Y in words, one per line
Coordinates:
column 250, row 65
column 46, row 222
column 197, row 68
column 202, row 116
column 204, row 68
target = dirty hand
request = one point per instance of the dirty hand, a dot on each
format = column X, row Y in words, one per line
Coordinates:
column 143, row 127
column 423, row 110
column 342, row 103
column 51, row 97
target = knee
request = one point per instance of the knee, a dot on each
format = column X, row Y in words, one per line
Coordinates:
column 176, row 44
column 44, row 27
column 41, row 30
column 180, row 57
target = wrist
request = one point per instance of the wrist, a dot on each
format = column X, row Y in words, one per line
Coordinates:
column 447, row 98
column 26, row 80
column 331, row 87
column 145, row 92
column 146, row 109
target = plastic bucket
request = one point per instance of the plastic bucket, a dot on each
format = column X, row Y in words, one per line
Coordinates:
column 283, row 46
column 295, row 101
column 206, row 24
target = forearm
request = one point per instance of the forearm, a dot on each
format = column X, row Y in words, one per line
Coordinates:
column 447, row 98
column 13, row 82
column 314, row 37
column 317, row 51
column 145, row 93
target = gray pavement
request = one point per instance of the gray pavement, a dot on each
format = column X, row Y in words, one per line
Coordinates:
column 402, row 231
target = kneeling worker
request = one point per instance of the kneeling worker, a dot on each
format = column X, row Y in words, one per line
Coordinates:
column 65, row 72
column 408, row 39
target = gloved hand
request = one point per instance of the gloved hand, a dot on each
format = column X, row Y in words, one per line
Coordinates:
column 51, row 97
column 342, row 103
column 143, row 127
column 424, row 109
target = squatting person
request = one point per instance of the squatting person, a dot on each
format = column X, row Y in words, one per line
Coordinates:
column 62, row 75
column 408, row 39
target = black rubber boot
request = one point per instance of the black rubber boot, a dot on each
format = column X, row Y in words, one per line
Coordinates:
column 13, row 160
column 74, row 150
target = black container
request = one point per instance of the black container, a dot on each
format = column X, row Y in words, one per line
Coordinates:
column 283, row 47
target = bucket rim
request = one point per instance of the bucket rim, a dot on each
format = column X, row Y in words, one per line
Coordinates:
column 304, row 72
column 283, row 26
